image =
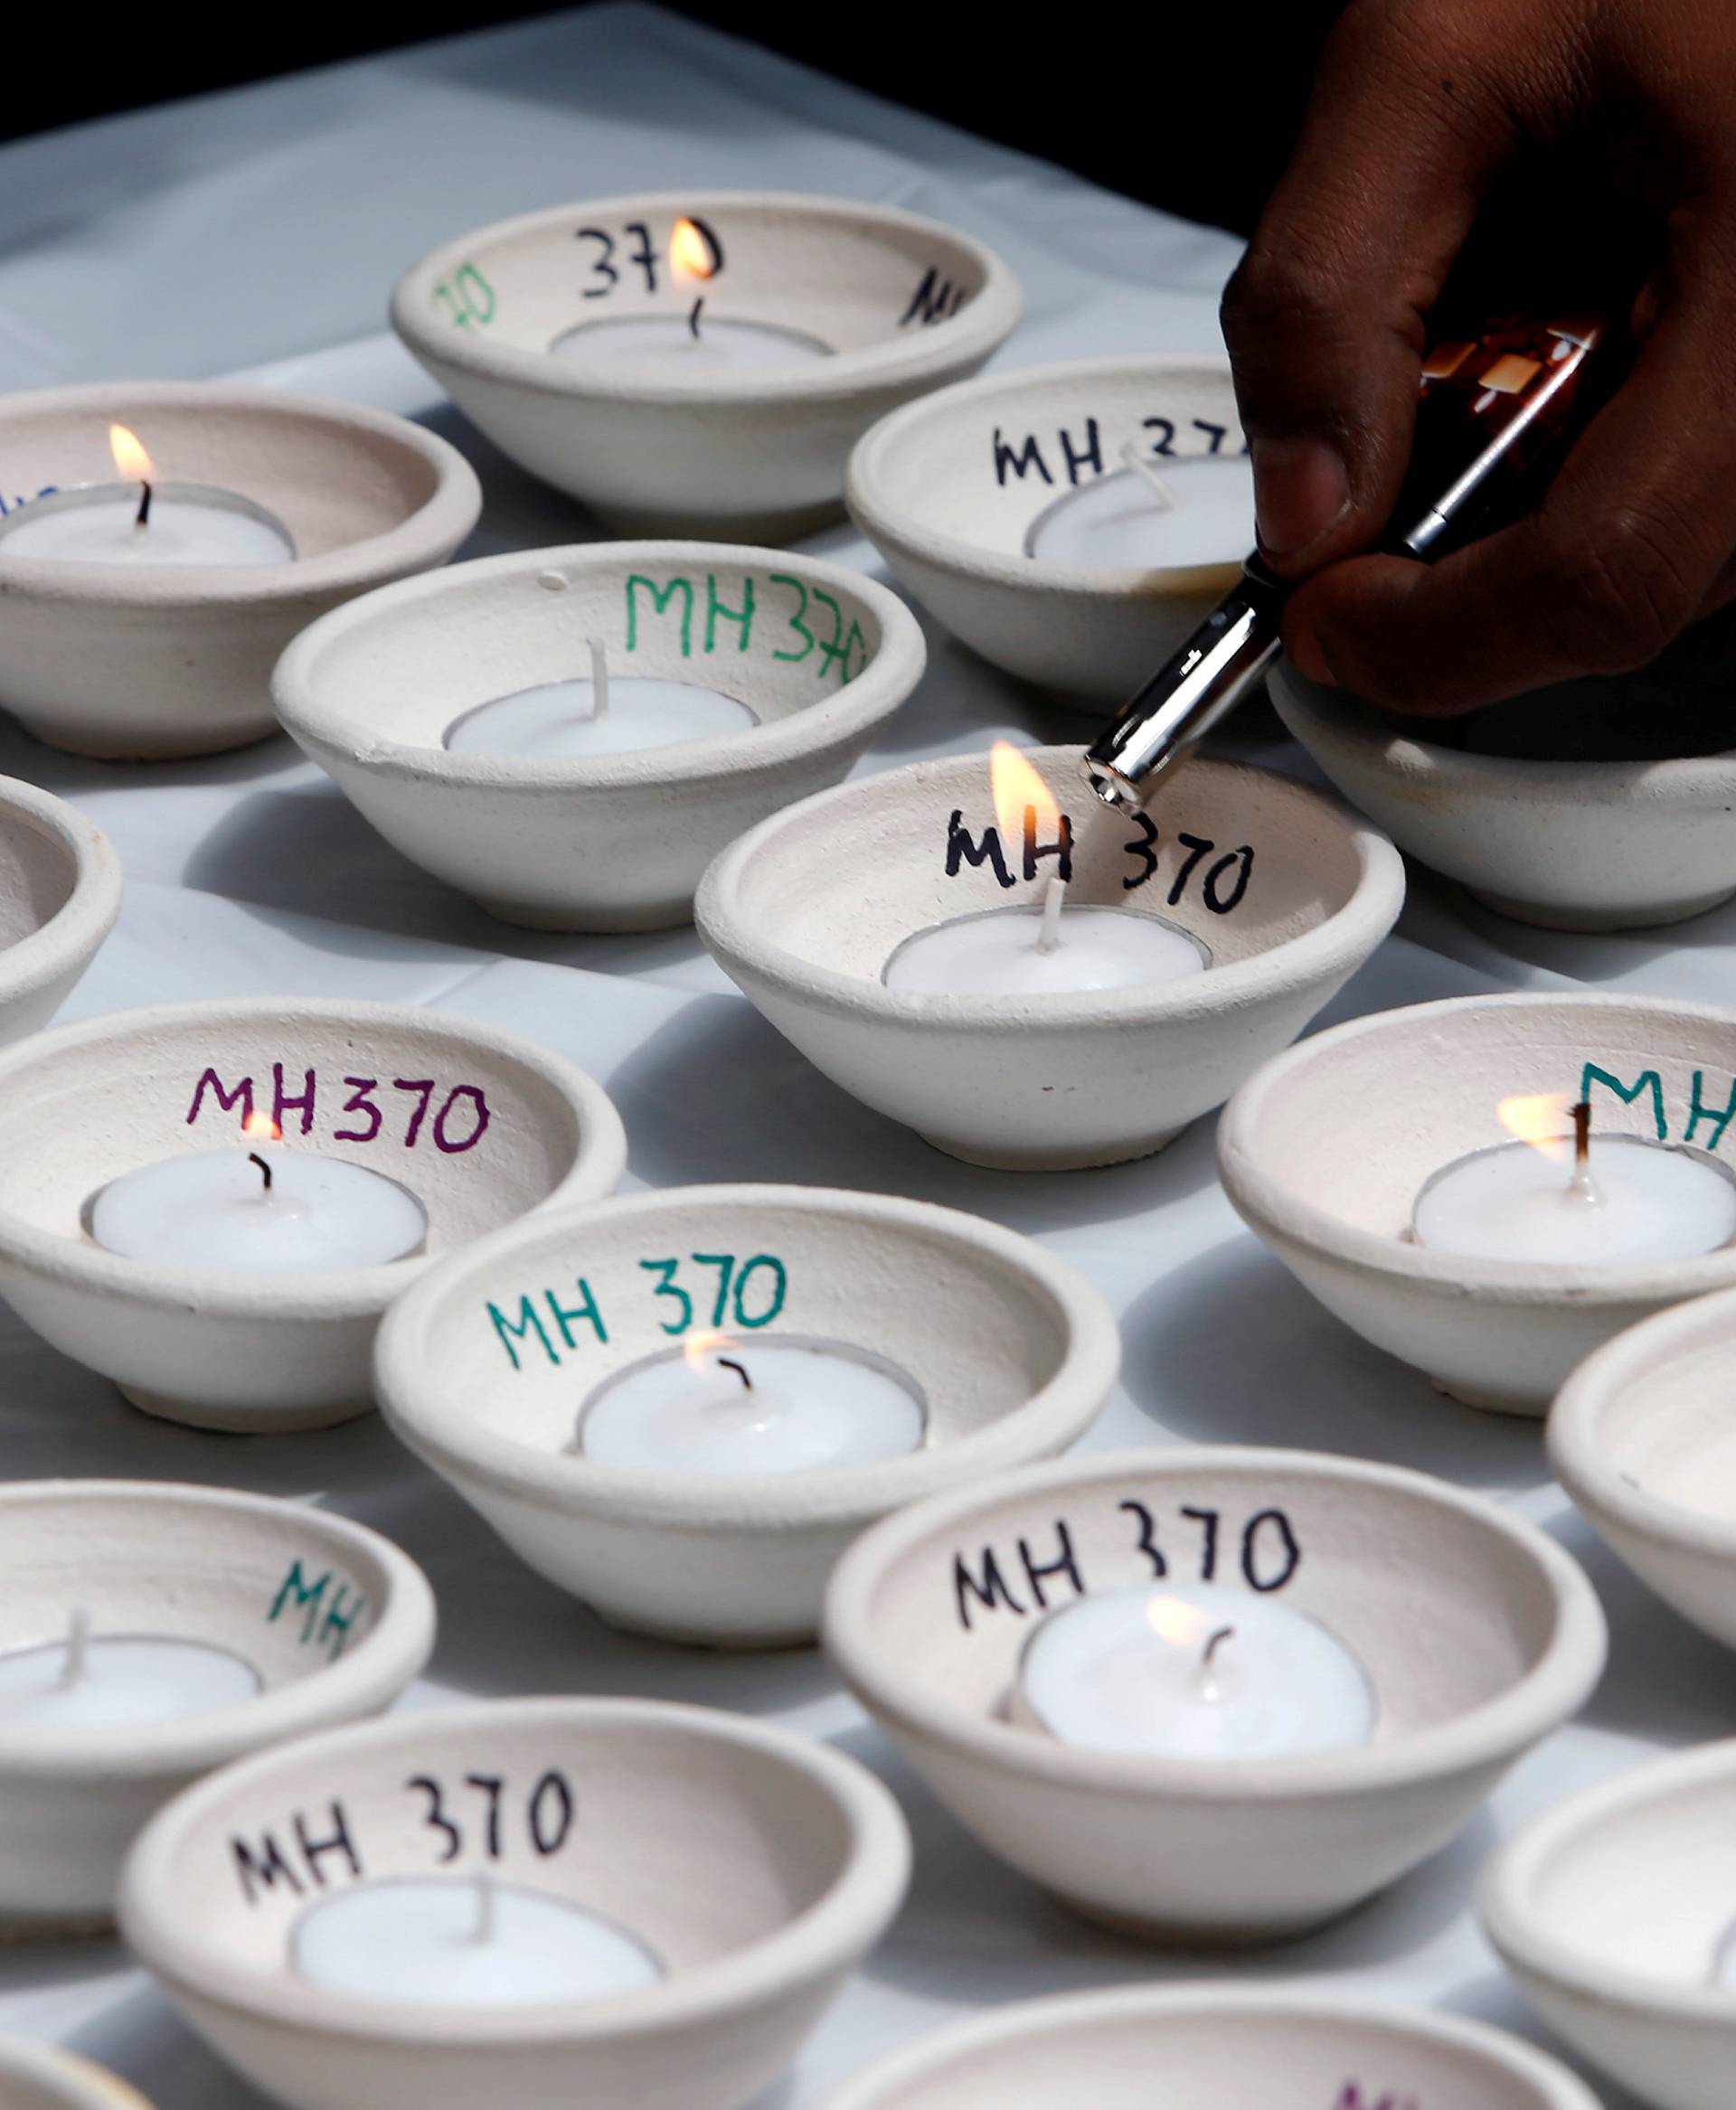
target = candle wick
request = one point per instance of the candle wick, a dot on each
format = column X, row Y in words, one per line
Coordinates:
column 142, row 518
column 692, row 315
column 484, row 1928
column 1582, row 1189
column 1141, row 464
column 253, row 1158
column 1208, row 1684
column 1055, row 899
column 740, row 1369
column 78, row 1643
column 599, row 677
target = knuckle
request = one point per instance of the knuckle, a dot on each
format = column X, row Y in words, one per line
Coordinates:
column 1280, row 287
column 1615, row 598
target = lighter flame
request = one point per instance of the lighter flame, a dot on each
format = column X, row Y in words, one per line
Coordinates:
column 262, row 1128
column 696, row 1347
column 1543, row 1119
column 132, row 462
column 1017, row 788
column 1182, row 1625
column 690, row 254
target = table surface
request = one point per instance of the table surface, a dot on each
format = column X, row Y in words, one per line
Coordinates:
column 260, row 231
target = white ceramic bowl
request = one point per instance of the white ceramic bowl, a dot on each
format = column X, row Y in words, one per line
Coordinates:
column 151, row 661
column 803, row 911
column 1608, row 1909
column 760, row 1867
column 1478, row 1633
column 60, row 894
column 41, row 2077
column 1210, row 2047
column 1323, row 1151
column 1014, row 1351
column 336, row 1621
column 228, row 1348
column 751, row 455
column 947, row 488
column 821, row 655
column 1579, row 845
column 1643, row 1436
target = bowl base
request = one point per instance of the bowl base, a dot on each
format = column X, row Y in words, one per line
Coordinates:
column 18, row 1929
column 688, row 523
column 1062, row 1160
column 732, row 1644
column 590, row 922
column 245, row 1421
column 1185, row 1933
column 1513, row 1404
column 99, row 745
column 1547, row 916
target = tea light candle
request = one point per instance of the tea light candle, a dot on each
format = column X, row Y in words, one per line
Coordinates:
column 1586, row 1201
column 465, row 1943
column 1043, row 951
column 725, row 1407
column 1193, row 1670
column 690, row 342
column 1151, row 516
column 120, row 1681
column 142, row 522
column 261, row 1209
column 607, row 715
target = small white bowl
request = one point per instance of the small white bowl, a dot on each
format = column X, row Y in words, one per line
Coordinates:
column 1643, row 1436
column 939, row 489
column 1608, row 1909
column 803, row 912
column 60, row 894
column 41, row 2077
column 1570, row 845
column 760, row 1867
column 748, row 455
column 148, row 663
column 256, row 1352
column 1216, row 1851
column 1323, row 1151
column 334, row 1618
column 1014, row 1352
column 824, row 657
column 1210, row 2047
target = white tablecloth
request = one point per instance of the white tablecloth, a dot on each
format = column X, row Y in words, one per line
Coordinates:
column 260, row 231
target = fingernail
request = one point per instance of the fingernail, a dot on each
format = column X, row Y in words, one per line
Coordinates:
column 1309, row 660
column 1300, row 487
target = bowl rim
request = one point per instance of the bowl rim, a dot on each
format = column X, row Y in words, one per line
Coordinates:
column 317, row 1293
column 67, row 2079
column 466, row 1453
column 875, row 2087
column 1432, row 770
column 375, row 1671
column 442, row 520
column 934, row 352
column 825, row 1937
column 1527, row 1942
column 1574, row 1435
column 1565, row 1673
column 1341, row 941
column 847, row 713
column 890, row 527
column 1282, row 1216
column 79, row 926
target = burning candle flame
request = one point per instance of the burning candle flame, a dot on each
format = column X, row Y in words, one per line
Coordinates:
column 697, row 1346
column 1543, row 1119
column 694, row 252
column 1019, row 790
column 132, row 463
column 262, row 1128
column 1182, row 1625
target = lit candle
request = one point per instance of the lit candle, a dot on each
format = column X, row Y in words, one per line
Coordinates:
column 690, row 340
column 606, row 715
column 263, row 1210
column 1151, row 515
column 465, row 1942
column 117, row 1681
column 1580, row 1200
column 780, row 1404
column 1193, row 1671
column 143, row 521
column 1049, row 947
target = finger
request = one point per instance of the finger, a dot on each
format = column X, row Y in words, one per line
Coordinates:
column 1325, row 317
column 1632, row 542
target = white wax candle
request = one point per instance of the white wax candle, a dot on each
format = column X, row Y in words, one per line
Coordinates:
column 188, row 525
column 1119, row 520
column 462, row 1942
column 1193, row 1670
column 667, row 343
column 1044, row 951
column 1645, row 1201
column 560, row 718
column 781, row 1404
column 117, row 1681
column 212, row 1209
